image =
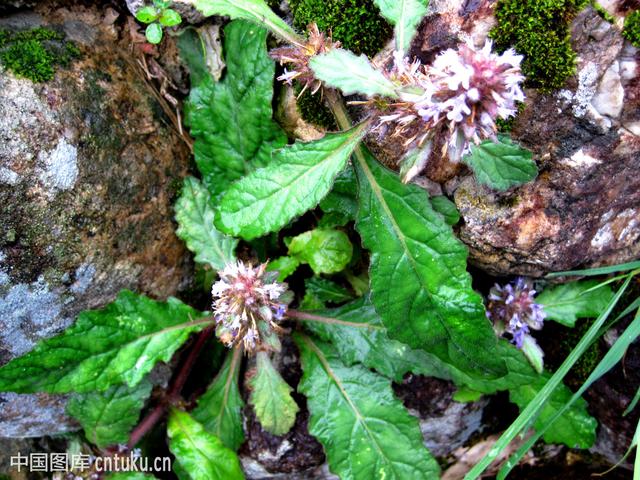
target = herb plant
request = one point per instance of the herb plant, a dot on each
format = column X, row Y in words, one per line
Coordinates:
column 399, row 298
column 157, row 16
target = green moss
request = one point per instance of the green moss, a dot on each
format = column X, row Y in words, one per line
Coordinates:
column 539, row 30
column 35, row 53
column 313, row 110
column 505, row 126
column 631, row 29
column 355, row 23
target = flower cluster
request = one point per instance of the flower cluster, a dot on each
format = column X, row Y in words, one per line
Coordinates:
column 248, row 303
column 462, row 93
column 514, row 311
column 298, row 56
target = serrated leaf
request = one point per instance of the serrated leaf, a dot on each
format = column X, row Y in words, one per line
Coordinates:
column 219, row 409
column 350, row 73
column 201, row 455
column 311, row 302
column 406, row 15
column 147, row 14
column 446, row 208
column 570, row 301
column 231, row 120
column 299, row 176
column 194, row 214
column 285, row 266
column 341, row 203
column 271, row 398
column 325, row 250
column 366, row 432
column 256, row 11
column 327, row 291
column 153, row 32
column 108, row 417
column 502, row 164
column 356, row 332
column 575, row 428
column 117, row 344
column 419, row 282
column 170, row 18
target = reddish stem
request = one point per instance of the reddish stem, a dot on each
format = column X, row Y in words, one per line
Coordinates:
column 173, row 393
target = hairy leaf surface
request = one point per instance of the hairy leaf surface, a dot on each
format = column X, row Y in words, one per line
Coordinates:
column 350, row 73
column 108, row 417
column 201, row 455
column 570, row 301
column 194, row 214
column 366, row 432
column 406, row 15
column 219, row 409
column 256, row 11
column 299, row 176
column 271, row 398
column 502, row 164
column 419, row 282
column 118, row 344
column 231, row 120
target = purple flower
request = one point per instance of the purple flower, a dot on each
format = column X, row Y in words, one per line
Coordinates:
column 244, row 301
column 513, row 310
column 460, row 96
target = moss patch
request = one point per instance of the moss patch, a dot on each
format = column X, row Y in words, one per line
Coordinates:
column 313, row 110
column 355, row 23
column 35, row 53
column 539, row 30
column 631, row 29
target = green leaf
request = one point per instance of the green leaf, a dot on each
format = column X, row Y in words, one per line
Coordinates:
column 570, row 301
column 406, row 15
column 502, row 164
column 419, row 282
column 271, row 398
column 256, row 11
column 366, row 432
column 341, row 202
column 170, row 18
column 194, row 214
column 299, row 176
column 575, row 428
column 285, row 266
column 327, row 291
column 311, row 302
column 350, row 73
column 203, row 456
column 108, row 417
column 118, row 344
column 325, row 250
column 466, row 395
column 356, row 332
column 219, row 409
column 231, row 120
column 446, row 208
column 147, row 14
column 153, row 33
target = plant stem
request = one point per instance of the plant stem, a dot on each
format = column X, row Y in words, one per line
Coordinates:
column 335, row 321
column 173, row 393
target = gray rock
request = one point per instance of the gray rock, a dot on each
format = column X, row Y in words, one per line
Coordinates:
column 88, row 172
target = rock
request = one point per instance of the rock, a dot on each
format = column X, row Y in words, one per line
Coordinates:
column 89, row 167
column 584, row 208
column 445, row 424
